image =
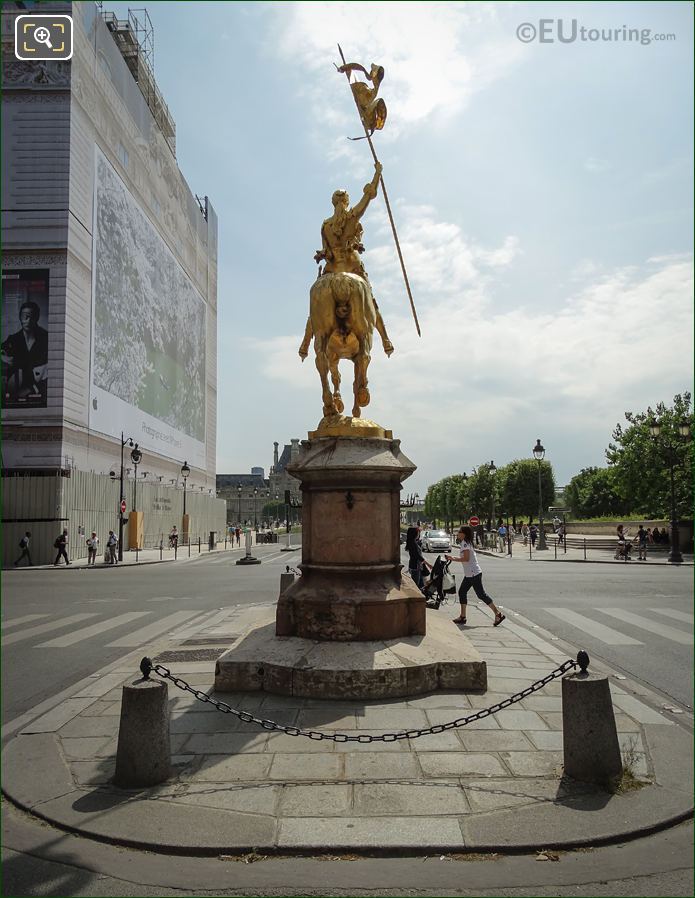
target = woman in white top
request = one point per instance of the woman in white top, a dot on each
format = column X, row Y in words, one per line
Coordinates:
column 472, row 577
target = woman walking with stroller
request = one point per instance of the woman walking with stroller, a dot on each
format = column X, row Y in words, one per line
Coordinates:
column 472, row 577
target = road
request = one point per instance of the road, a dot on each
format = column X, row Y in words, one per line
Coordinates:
column 60, row 627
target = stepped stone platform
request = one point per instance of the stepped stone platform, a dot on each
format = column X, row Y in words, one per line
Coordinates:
column 260, row 661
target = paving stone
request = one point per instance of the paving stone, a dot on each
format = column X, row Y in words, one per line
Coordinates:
column 248, row 799
column 489, row 795
column 511, row 719
column 221, row 743
column 84, row 748
column 552, row 718
column 480, row 700
column 319, row 800
column 443, row 716
column 494, row 740
column 334, row 719
column 322, row 766
column 546, row 740
column 200, row 722
column 542, row 703
column 382, row 765
column 378, row 799
column 508, row 686
column 391, row 721
column 98, row 708
column 460, row 764
column 625, row 724
column 533, row 763
column 440, row 700
column 93, row 773
column 447, row 741
column 516, row 672
column 245, row 768
column 638, row 710
column 361, row 832
column 281, row 743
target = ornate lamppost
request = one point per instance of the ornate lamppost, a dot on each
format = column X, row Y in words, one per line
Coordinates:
column 492, row 468
column 238, row 492
column 125, row 441
column 671, row 452
column 539, row 455
column 255, row 508
column 185, row 471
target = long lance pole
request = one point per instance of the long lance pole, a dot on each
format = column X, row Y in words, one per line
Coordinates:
column 386, row 200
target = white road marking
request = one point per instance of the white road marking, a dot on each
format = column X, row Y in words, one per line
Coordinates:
column 61, row 642
column 676, row 615
column 15, row 622
column 604, row 634
column 45, row 628
column 650, row 625
column 153, row 630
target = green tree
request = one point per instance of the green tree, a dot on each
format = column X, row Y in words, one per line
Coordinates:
column 518, row 486
column 641, row 465
column 482, row 492
column 593, row 493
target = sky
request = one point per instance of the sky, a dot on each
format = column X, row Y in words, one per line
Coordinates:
column 541, row 189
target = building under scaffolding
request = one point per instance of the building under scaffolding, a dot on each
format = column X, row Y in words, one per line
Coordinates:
column 134, row 37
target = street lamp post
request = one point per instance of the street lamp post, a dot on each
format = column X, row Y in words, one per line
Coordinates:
column 136, row 458
column 238, row 492
column 255, row 508
column 124, row 442
column 492, row 468
column 185, row 471
column 671, row 453
column 539, row 455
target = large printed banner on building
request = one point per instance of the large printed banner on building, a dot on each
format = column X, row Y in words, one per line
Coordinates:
column 25, row 337
column 148, row 338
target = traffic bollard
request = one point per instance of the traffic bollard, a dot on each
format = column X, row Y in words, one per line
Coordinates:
column 589, row 736
column 198, row 545
column 584, row 548
column 161, row 548
column 143, row 756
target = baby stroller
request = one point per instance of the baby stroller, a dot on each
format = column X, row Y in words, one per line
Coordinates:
column 623, row 549
column 440, row 585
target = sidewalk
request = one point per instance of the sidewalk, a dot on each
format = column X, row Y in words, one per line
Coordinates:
column 594, row 555
column 149, row 556
column 493, row 785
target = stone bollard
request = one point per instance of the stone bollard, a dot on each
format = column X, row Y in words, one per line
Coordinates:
column 589, row 736
column 286, row 580
column 143, row 757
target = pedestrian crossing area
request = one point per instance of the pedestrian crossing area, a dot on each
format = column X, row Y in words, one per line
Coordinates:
column 123, row 631
column 640, row 626
column 609, row 625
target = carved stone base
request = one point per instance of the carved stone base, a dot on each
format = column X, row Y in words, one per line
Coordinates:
column 262, row 661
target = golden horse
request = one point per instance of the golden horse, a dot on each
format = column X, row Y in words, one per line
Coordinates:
column 342, row 317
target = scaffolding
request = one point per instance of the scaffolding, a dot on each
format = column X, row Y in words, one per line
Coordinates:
column 134, row 37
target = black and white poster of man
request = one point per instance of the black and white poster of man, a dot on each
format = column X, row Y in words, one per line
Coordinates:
column 24, row 338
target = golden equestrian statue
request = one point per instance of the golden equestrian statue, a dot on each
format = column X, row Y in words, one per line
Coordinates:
column 342, row 310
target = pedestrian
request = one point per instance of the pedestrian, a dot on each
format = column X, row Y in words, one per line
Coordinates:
column 622, row 550
column 472, row 577
column 524, row 532
column 642, row 540
column 111, row 543
column 663, row 537
column 501, row 538
column 237, row 533
column 650, row 536
column 92, row 547
column 174, row 538
column 416, row 562
column 561, row 534
column 24, row 546
column 61, row 544
column 533, row 533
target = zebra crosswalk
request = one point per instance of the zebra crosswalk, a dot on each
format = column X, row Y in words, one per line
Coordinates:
column 146, row 626
column 611, row 626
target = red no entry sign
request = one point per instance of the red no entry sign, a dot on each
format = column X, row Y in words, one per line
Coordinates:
column 122, row 506
column 474, row 520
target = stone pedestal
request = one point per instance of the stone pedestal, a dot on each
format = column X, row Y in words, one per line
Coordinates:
column 351, row 587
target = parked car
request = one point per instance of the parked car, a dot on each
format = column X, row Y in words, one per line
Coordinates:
column 436, row 541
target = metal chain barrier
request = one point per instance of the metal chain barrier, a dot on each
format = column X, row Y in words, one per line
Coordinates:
column 147, row 667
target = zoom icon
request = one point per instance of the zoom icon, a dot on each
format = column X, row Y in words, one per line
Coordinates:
column 43, row 37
